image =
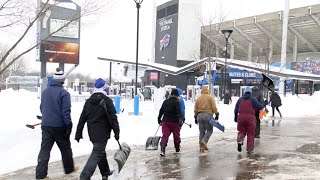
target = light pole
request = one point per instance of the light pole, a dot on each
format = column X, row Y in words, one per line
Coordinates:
column 226, row 33
column 138, row 5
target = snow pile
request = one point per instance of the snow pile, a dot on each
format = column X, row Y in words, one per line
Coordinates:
column 21, row 144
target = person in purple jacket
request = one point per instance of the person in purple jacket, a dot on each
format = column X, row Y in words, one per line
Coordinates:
column 244, row 115
column 56, row 125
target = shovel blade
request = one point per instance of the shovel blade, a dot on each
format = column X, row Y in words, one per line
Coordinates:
column 122, row 155
column 152, row 143
column 30, row 126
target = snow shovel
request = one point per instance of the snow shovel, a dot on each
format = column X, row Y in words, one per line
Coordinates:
column 153, row 142
column 187, row 124
column 32, row 125
column 124, row 150
column 122, row 155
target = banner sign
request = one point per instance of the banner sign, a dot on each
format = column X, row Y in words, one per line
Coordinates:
column 312, row 66
column 237, row 73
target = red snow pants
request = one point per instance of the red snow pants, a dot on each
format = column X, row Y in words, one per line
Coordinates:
column 246, row 123
column 167, row 129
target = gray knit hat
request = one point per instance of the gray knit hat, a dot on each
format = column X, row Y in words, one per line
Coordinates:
column 59, row 75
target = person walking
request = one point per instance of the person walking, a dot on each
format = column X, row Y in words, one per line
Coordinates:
column 56, row 125
column 227, row 98
column 182, row 107
column 257, row 94
column 204, row 109
column 99, row 129
column 244, row 113
column 275, row 101
column 169, row 117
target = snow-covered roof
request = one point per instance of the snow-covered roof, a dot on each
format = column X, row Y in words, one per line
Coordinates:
column 246, row 65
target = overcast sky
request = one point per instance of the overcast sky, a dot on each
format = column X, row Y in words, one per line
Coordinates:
column 113, row 34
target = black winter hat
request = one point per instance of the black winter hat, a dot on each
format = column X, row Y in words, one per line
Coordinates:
column 174, row 92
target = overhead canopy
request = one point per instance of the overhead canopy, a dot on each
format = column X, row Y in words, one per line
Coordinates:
column 303, row 29
column 246, row 65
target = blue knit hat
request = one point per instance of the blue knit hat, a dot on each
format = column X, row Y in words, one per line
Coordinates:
column 248, row 89
column 100, row 85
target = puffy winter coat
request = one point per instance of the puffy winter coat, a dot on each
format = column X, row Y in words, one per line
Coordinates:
column 170, row 110
column 205, row 103
column 55, row 106
column 275, row 100
column 98, row 124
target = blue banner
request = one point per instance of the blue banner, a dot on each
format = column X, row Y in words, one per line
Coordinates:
column 237, row 73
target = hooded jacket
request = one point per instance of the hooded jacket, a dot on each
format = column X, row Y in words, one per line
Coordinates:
column 55, row 106
column 98, row 124
column 205, row 103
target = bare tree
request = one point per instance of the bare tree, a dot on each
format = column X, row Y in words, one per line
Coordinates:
column 208, row 47
column 17, row 68
column 19, row 13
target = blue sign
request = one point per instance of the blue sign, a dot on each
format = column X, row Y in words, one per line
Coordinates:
column 237, row 73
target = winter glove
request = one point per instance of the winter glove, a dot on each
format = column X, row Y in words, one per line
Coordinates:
column 217, row 116
column 68, row 130
column 116, row 136
column 159, row 121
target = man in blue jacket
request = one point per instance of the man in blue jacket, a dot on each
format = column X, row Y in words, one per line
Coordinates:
column 56, row 125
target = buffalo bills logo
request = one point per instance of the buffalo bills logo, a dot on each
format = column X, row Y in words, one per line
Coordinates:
column 164, row 42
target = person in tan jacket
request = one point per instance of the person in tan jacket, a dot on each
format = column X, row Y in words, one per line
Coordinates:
column 204, row 109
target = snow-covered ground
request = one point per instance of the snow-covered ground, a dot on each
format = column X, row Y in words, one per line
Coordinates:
column 20, row 145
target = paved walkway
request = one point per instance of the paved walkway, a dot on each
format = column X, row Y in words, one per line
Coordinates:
column 288, row 149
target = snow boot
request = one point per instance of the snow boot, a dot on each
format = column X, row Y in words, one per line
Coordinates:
column 204, row 145
column 163, row 149
column 240, row 143
column 177, row 147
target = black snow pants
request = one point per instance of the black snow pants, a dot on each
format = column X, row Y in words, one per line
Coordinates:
column 50, row 135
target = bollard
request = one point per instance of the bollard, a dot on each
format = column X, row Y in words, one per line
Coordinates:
column 136, row 105
column 117, row 103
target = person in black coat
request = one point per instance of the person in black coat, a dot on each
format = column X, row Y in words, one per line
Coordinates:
column 169, row 117
column 227, row 98
column 275, row 101
column 257, row 94
column 99, row 129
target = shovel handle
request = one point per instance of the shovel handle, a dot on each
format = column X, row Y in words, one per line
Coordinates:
column 32, row 125
column 156, row 131
column 188, row 124
column 119, row 145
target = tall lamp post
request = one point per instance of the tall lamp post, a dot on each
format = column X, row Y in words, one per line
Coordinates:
column 226, row 33
column 138, row 5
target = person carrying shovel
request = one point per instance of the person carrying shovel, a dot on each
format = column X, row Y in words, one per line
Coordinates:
column 99, row 129
column 169, row 117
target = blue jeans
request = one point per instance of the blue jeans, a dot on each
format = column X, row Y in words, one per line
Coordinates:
column 50, row 135
column 98, row 157
column 205, row 128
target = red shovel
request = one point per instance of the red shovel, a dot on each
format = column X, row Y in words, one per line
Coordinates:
column 32, row 125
